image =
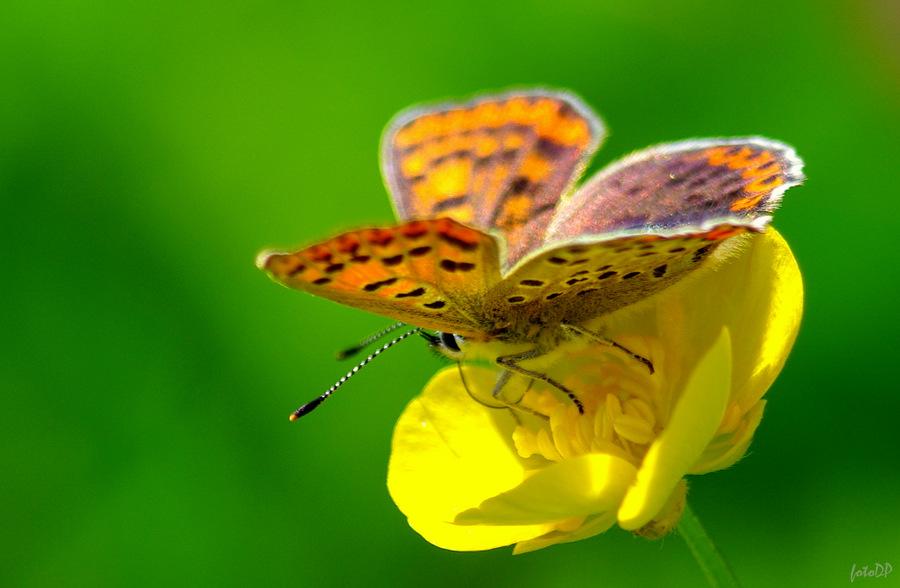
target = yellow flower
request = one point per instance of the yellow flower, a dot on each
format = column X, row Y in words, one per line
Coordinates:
column 469, row 476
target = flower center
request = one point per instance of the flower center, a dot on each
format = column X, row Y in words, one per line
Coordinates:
column 624, row 409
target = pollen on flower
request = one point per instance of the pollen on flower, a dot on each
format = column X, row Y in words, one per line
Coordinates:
column 623, row 409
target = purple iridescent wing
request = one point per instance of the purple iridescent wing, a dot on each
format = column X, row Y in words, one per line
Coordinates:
column 686, row 185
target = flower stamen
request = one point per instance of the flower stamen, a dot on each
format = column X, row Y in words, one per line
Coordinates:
column 620, row 412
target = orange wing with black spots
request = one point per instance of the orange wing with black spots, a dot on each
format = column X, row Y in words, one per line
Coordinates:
column 430, row 273
column 684, row 185
column 500, row 163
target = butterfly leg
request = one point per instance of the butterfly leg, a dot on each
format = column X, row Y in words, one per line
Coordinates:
column 495, row 394
column 608, row 342
column 502, row 380
column 511, row 364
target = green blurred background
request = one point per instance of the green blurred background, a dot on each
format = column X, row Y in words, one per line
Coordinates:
column 148, row 150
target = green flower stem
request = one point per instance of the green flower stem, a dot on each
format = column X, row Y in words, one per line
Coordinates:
column 714, row 567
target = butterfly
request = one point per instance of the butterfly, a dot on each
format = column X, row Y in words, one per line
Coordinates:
column 499, row 252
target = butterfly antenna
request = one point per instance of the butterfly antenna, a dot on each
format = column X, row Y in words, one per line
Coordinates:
column 310, row 406
column 351, row 351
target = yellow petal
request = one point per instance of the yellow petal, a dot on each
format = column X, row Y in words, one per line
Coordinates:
column 585, row 485
column 728, row 453
column 590, row 527
column 783, row 308
column 475, row 537
column 693, row 424
column 758, row 295
column 449, row 454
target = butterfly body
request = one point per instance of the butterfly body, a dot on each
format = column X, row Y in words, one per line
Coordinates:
column 495, row 244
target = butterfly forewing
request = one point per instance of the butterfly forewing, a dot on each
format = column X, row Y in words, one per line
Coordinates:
column 497, row 164
column 431, row 273
column 685, row 184
column 581, row 281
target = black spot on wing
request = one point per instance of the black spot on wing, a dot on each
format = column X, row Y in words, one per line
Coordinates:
column 411, row 294
column 519, row 185
column 456, row 266
column 700, row 254
column 449, row 203
column 377, row 285
column 458, row 243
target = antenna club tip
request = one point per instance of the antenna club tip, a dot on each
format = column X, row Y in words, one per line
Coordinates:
column 293, row 417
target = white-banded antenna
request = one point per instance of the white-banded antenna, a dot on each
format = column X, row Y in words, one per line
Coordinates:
column 351, row 351
column 310, row 406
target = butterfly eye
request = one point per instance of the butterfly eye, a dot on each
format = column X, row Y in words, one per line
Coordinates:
column 450, row 341
column 449, row 345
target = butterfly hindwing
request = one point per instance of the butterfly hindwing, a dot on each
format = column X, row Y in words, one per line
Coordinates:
column 686, row 184
column 583, row 280
column 430, row 273
column 498, row 163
